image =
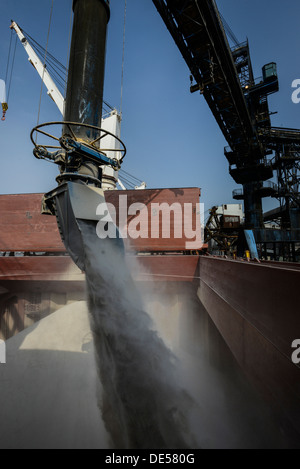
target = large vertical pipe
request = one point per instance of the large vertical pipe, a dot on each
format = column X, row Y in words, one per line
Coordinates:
column 86, row 67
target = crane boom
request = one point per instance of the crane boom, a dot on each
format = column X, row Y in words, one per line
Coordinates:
column 53, row 91
column 110, row 123
column 198, row 33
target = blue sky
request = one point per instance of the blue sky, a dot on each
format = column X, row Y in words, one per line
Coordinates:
column 171, row 136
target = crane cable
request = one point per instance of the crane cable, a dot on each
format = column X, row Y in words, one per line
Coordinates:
column 58, row 69
column 229, row 31
column 5, row 104
column 8, row 58
column 12, row 68
column 123, row 59
column 69, row 51
column 46, row 52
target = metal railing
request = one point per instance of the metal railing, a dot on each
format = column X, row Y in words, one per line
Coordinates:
column 238, row 193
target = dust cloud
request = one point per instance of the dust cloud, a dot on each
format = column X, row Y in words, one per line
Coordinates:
column 143, row 404
column 168, row 378
column 230, row 414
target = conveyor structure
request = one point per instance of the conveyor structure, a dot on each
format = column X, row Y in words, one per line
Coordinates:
column 239, row 103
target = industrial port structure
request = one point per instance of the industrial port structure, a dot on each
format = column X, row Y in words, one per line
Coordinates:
column 252, row 304
column 257, row 151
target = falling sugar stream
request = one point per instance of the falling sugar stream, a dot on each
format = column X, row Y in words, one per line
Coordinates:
column 143, row 406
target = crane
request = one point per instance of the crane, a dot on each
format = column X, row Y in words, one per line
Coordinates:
column 197, row 29
column 110, row 122
column 223, row 76
column 239, row 103
column 33, row 58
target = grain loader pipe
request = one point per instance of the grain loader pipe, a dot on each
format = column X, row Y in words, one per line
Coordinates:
column 76, row 199
column 84, row 96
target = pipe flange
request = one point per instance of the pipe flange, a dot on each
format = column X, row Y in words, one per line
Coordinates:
column 89, row 180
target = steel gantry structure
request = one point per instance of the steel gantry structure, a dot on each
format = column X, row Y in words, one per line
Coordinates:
column 239, row 103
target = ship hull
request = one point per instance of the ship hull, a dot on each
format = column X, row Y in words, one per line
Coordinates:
column 255, row 308
column 253, row 305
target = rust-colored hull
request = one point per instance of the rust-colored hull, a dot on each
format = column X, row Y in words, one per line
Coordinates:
column 36, row 274
column 168, row 268
column 255, row 308
column 153, row 201
column 31, row 288
column 23, row 227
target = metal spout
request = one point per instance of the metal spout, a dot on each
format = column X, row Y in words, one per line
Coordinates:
column 79, row 208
